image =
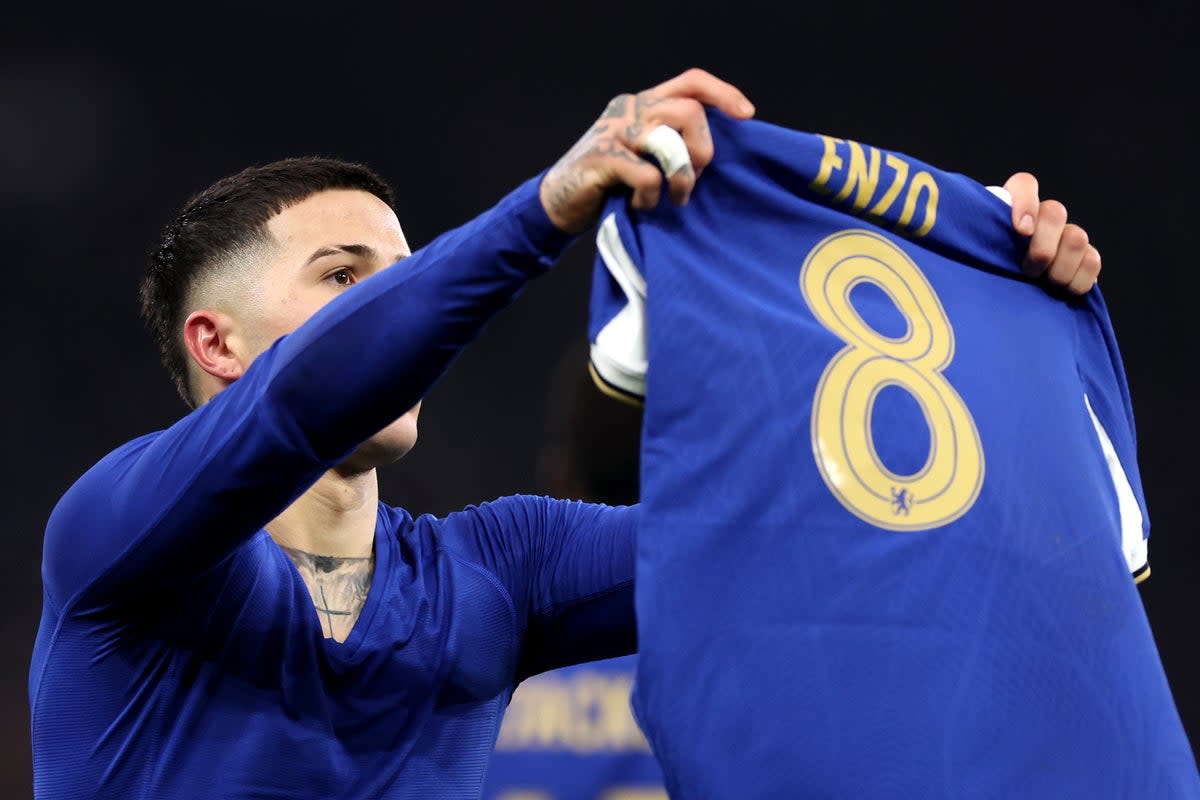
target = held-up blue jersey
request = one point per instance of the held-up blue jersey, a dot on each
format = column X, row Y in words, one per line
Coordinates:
column 180, row 654
column 890, row 493
column 569, row 734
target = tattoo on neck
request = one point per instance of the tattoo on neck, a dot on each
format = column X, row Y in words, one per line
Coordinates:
column 338, row 586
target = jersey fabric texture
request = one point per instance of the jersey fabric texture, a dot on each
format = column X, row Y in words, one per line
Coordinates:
column 890, row 493
column 180, row 654
column 569, row 734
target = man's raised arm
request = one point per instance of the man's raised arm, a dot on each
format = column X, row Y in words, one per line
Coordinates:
column 171, row 504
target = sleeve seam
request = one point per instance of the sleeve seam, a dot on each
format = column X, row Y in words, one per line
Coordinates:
column 489, row 576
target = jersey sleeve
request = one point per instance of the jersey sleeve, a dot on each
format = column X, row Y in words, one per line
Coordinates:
column 567, row 567
column 1110, row 407
column 171, row 504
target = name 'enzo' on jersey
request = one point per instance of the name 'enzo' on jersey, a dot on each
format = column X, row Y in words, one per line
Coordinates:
column 859, row 169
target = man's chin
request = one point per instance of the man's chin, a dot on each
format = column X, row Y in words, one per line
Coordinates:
column 376, row 453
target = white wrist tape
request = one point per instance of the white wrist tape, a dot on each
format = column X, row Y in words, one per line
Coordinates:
column 668, row 148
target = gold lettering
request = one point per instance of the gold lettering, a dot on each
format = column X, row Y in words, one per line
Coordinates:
column 587, row 735
column 520, row 720
column 860, row 174
column 862, row 182
column 829, row 162
column 922, row 180
column 537, row 717
column 613, row 712
column 552, row 717
column 585, row 713
column 901, row 167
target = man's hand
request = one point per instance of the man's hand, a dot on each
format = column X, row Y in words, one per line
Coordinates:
column 1058, row 250
column 607, row 156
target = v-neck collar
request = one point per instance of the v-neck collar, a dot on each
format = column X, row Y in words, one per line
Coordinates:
column 383, row 555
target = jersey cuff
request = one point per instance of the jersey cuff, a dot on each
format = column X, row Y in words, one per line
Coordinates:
column 543, row 237
column 616, row 388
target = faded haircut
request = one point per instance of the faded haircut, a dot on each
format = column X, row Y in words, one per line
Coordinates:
column 219, row 222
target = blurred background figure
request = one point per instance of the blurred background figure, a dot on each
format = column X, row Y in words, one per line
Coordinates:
column 569, row 734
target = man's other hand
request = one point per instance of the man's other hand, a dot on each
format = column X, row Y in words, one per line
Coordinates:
column 1057, row 249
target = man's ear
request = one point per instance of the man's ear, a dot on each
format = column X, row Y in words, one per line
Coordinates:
column 207, row 335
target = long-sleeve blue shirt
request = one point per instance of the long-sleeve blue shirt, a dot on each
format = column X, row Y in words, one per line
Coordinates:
column 180, row 654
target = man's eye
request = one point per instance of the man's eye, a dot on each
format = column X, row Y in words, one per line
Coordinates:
column 342, row 277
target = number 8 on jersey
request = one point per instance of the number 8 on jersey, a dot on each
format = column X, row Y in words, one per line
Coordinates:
column 947, row 485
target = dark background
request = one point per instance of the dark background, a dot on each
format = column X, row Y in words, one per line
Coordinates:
column 110, row 119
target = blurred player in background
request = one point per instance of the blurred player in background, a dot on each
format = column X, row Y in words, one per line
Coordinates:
column 229, row 610
column 570, row 734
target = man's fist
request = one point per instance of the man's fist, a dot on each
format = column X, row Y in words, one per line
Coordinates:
column 608, row 155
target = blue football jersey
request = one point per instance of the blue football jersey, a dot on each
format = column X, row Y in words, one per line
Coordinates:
column 180, row 654
column 569, row 734
column 890, row 492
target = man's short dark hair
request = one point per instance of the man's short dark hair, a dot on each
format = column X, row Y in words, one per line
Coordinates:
column 217, row 222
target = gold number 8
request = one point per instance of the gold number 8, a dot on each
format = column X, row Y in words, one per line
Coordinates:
column 948, row 484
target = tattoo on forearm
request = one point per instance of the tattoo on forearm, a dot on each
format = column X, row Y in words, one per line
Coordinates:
column 562, row 185
column 338, row 586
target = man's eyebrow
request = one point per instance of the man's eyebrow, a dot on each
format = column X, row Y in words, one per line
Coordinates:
column 353, row 249
column 363, row 251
